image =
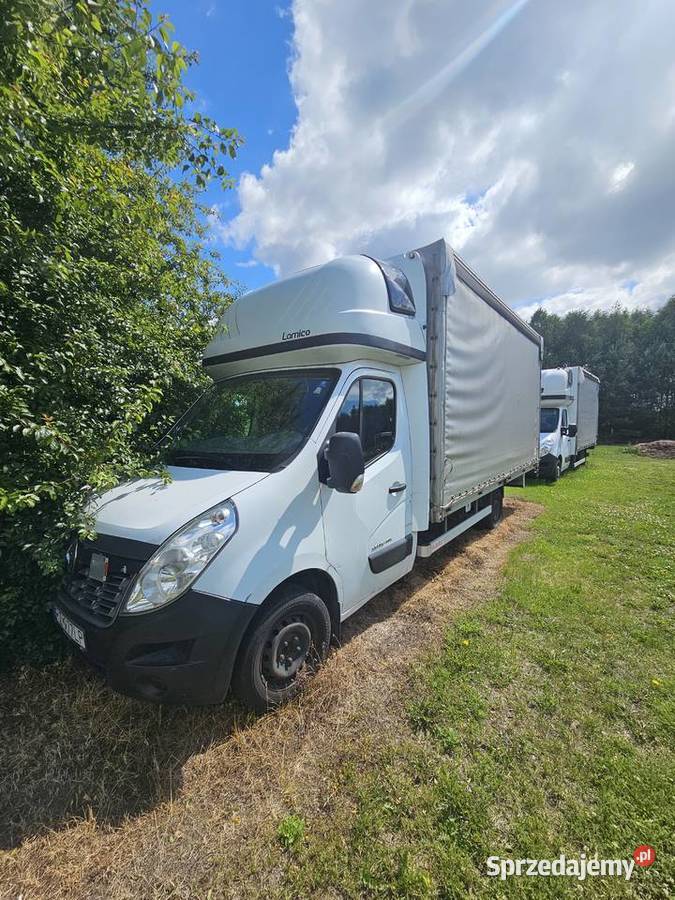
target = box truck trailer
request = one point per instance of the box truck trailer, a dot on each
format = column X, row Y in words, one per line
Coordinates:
column 362, row 414
column 568, row 419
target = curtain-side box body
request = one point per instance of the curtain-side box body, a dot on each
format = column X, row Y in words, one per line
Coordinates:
column 484, row 365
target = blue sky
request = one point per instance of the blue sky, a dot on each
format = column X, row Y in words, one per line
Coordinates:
column 242, row 82
column 497, row 124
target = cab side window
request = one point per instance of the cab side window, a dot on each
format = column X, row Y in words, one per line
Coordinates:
column 564, row 418
column 378, row 417
column 369, row 410
column 349, row 417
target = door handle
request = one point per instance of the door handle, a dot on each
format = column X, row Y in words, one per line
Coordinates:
column 397, row 487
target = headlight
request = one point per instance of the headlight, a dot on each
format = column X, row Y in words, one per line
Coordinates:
column 181, row 558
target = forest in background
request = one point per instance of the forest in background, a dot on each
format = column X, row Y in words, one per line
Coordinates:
column 633, row 355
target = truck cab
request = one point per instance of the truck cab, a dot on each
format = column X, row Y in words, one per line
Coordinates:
column 556, row 441
column 568, row 419
column 301, row 483
column 556, row 444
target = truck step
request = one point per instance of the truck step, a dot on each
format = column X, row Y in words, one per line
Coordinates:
column 580, row 462
column 425, row 550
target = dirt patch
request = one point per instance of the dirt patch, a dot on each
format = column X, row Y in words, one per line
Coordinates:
column 105, row 797
column 657, row 449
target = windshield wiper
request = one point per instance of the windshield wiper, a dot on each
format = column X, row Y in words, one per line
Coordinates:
column 240, row 462
column 197, row 459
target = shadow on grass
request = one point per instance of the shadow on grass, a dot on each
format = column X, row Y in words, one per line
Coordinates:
column 71, row 748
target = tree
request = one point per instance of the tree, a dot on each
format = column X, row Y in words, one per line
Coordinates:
column 106, row 293
column 633, row 354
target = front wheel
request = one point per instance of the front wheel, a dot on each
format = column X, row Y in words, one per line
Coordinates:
column 290, row 638
column 557, row 472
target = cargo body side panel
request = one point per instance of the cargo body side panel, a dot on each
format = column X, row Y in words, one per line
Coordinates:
column 484, row 386
column 587, row 410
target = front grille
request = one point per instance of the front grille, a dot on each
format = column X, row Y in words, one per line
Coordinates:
column 97, row 600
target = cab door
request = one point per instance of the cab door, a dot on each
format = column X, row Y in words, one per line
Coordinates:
column 566, row 441
column 369, row 534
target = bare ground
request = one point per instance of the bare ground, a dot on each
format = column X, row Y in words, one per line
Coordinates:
column 101, row 796
column 657, row 449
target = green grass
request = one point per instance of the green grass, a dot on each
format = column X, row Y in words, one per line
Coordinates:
column 547, row 724
column 290, row 831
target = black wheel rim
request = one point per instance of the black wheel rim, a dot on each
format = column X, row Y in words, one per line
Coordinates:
column 288, row 646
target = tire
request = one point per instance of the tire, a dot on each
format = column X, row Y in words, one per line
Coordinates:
column 296, row 621
column 557, row 472
column 496, row 511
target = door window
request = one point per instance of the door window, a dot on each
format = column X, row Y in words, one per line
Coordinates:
column 378, row 417
column 349, row 417
column 564, row 418
column 369, row 410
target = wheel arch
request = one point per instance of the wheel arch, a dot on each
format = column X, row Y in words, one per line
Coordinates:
column 319, row 582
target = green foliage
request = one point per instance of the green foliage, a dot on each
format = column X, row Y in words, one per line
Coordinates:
column 291, row 831
column 633, row 354
column 106, row 293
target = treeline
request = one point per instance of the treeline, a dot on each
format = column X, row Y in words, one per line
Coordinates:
column 633, row 355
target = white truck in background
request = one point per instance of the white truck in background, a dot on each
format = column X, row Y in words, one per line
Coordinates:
column 362, row 413
column 568, row 419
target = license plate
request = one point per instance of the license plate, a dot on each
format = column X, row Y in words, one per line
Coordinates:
column 98, row 567
column 70, row 628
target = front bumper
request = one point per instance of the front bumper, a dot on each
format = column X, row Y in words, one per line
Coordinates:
column 184, row 653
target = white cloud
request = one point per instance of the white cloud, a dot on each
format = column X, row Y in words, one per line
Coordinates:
column 619, row 176
column 248, row 264
column 214, row 220
column 601, row 287
column 537, row 137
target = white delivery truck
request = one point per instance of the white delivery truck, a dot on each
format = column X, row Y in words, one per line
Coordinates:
column 568, row 419
column 362, row 413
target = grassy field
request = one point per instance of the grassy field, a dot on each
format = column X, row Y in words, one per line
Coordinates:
column 512, row 697
column 546, row 726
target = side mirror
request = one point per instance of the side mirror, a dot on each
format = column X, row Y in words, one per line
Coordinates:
column 344, row 456
column 571, row 430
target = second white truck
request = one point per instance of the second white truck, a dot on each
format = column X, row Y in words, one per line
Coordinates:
column 568, row 419
column 362, row 413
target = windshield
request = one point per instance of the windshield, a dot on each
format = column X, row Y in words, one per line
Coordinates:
column 548, row 420
column 250, row 423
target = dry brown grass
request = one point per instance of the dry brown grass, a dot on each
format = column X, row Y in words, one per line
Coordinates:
column 101, row 796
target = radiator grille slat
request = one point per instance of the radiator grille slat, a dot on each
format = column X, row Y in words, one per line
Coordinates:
column 99, row 599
